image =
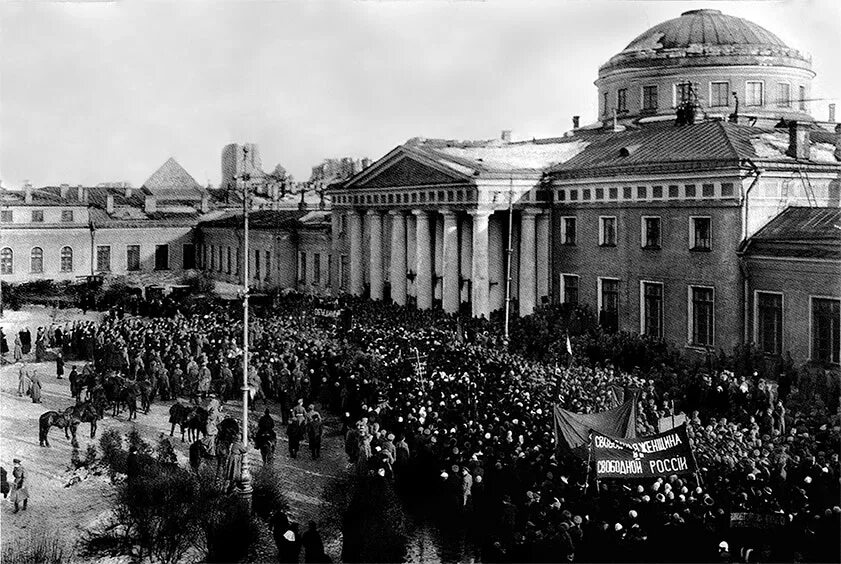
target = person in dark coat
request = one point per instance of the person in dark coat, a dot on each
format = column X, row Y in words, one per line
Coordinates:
column 296, row 432
column 132, row 464
column 59, row 367
column 313, row 546
column 4, row 482
column 315, row 430
column 25, row 340
column 288, row 547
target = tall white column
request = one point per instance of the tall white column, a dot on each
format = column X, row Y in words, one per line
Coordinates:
column 335, row 233
column 397, row 265
column 357, row 275
column 528, row 268
column 479, row 263
column 466, row 250
column 411, row 252
column 543, row 266
column 496, row 262
column 450, row 289
column 423, row 257
column 375, row 219
column 438, row 281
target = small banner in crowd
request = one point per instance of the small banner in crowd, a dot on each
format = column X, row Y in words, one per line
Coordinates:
column 757, row 520
column 660, row 455
column 573, row 429
column 324, row 312
column 670, row 422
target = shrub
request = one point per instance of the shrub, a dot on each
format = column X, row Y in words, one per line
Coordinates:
column 113, row 455
column 267, row 496
column 199, row 283
column 136, row 440
column 43, row 546
column 164, row 453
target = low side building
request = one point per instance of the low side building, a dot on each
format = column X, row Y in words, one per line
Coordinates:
column 793, row 280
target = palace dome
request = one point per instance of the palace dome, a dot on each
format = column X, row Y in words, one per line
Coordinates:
column 705, row 34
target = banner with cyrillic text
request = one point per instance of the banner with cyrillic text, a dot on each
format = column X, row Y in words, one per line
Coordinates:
column 659, row 455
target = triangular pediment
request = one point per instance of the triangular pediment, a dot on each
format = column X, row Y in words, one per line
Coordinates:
column 404, row 169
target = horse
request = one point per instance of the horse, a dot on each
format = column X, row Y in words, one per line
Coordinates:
column 54, row 419
column 178, row 414
column 146, row 393
column 127, row 397
column 84, row 412
column 196, row 422
column 201, row 449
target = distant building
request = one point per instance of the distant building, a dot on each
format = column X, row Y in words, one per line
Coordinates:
column 64, row 232
column 288, row 250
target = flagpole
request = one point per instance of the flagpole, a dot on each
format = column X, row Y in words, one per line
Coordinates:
column 589, row 456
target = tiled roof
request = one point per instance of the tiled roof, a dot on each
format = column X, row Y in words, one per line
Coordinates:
column 171, row 181
column 800, row 232
column 265, row 219
column 705, row 142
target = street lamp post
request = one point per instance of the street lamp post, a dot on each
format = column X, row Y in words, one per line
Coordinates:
column 245, row 476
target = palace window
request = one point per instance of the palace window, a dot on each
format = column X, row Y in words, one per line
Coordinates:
column 622, row 100
column 37, row 216
column 700, row 233
column 651, row 316
column 133, row 258
column 754, row 93
column 769, row 322
column 67, row 216
column 609, row 304
column 103, row 258
column 6, row 261
column 649, row 98
column 67, row 259
column 569, row 289
column 607, row 231
column 162, row 257
column 568, row 231
column 701, row 315
column 650, row 233
column 36, row 260
column 784, row 95
column 826, row 335
column 719, row 94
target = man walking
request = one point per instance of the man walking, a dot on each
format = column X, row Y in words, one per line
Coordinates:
column 296, row 431
column 20, row 486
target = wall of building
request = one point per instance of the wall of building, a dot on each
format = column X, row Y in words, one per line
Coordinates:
column 796, row 280
column 52, row 240
column 674, row 265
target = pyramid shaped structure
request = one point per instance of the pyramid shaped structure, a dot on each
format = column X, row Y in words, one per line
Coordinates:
column 172, row 182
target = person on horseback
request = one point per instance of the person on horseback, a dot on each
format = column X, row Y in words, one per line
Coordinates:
column 266, row 439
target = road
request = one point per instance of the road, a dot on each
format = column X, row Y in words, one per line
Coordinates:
column 316, row 490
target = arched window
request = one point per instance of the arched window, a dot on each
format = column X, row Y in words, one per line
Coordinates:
column 36, row 260
column 67, row 259
column 6, row 261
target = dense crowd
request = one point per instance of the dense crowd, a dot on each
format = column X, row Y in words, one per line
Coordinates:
column 439, row 404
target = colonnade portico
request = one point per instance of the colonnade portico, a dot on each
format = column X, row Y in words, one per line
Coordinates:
column 449, row 256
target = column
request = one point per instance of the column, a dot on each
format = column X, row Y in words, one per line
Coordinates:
column 543, row 266
column 334, row 252
column 438, row 282
column 423, row 257
column 357, row 276
column 466, row 249
column 496, row 262
column 528, row 267
column 479, row 263
column 450, row 289
column 398, row 257
column 411, row 253
column 375, row 255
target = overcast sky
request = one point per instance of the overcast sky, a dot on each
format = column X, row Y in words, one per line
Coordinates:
column 94, row 92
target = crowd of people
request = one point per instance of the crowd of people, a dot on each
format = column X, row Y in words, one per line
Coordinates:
column 441, row 405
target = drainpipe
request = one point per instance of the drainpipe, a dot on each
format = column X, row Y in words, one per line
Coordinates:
column 92, row 228
column 744, row 201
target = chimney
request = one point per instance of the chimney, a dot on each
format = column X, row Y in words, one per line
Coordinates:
column 366, row 162
column 302, row 205
column 506, row 135
column 575, row 121
column 798, row 141
column 64, row 190
column 150, row 204
column 109, row 203
column 205, row 203
column 128, row 191
column 838, row 142
column 832, row 113
column 27, row 193
column 81, row 193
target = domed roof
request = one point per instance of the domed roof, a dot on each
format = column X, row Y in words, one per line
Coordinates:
column 698, row 36
column 704, row 27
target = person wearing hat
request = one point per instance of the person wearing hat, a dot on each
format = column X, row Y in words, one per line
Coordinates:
column 315, row 431
column 20, row 486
